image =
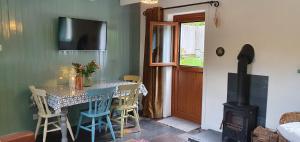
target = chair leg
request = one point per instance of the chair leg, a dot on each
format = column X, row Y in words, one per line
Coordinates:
column 105, row 128
column 59, row 120
column 70, row 130
column 110, row 127
column 78, row 126
column 137, row 121
column 126, row 119
column 111, row 113
column 93, row 130
column 38, row 127
column 45, row 130
column 100, row 124
column 122, row 122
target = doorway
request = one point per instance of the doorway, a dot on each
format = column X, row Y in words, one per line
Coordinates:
column 188, row 73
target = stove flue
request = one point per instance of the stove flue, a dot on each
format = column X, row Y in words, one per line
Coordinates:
column 245, row 58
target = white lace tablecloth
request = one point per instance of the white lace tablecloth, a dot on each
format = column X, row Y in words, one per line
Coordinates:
column 62, row 96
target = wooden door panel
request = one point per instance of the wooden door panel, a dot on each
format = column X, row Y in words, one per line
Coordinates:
column 188, row 94
column 187, row 80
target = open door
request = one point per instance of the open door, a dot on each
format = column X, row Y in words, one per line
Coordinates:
column 188, row 74
column 186, row 100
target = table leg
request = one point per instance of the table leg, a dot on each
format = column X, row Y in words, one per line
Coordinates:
column 63, row 125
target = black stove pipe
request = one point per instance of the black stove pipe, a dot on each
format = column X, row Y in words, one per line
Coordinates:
column 245, row 57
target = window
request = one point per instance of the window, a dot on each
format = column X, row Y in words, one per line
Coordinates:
column 192, row 44
column 163, row 43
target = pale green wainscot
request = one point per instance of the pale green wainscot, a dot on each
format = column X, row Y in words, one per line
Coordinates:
column 29, row 54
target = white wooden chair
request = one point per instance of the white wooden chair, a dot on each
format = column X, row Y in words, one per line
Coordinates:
column 135, row 79
column 127, row 103
column 39, row 97
column 132, row 78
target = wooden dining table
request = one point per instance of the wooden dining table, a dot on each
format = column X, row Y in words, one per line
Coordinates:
column 61, row 97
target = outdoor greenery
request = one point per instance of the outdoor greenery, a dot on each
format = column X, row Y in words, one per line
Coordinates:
column 191, row 60
column 195, row 24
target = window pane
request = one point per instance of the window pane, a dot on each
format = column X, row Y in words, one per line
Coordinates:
column 192, row 44
column 162, row 44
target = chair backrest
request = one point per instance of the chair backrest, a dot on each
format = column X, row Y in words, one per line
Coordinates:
column 39, row 97
column 128, row 94
column 100, row 99
column 132, row 78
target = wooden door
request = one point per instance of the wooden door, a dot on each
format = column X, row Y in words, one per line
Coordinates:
column 188, row 74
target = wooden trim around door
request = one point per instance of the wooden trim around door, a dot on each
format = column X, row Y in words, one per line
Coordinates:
column 195, row 17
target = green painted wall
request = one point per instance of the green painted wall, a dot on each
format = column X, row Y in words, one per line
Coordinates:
column 29, row 54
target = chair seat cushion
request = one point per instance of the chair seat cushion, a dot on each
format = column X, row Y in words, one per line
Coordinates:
column 290, row 131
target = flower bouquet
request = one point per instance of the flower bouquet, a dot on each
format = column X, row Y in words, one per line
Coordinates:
column 84, row 74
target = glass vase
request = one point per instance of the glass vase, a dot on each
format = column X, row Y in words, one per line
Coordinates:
column 78, row 82
column 88, row 81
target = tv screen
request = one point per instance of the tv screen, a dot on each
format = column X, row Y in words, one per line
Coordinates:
column 80, row 34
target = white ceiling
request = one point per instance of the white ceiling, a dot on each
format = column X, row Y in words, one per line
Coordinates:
column 164, row 2
column 126, row 2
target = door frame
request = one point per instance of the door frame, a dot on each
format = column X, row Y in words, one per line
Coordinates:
column 194, row 17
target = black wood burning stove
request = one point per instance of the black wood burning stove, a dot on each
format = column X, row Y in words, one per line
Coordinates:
column 238, row 122
column 239, row 118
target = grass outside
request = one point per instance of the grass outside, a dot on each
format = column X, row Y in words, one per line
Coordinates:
column 195, row 24
column 191, row 61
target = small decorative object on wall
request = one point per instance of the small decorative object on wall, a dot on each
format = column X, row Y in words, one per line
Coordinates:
column 84, row 74
column 298, row 71
column 217, row 18
column 220, row 51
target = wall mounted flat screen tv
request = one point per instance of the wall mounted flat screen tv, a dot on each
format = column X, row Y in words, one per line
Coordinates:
column 80, row 34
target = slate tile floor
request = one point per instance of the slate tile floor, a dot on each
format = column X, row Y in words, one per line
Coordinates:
column 152, row 131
